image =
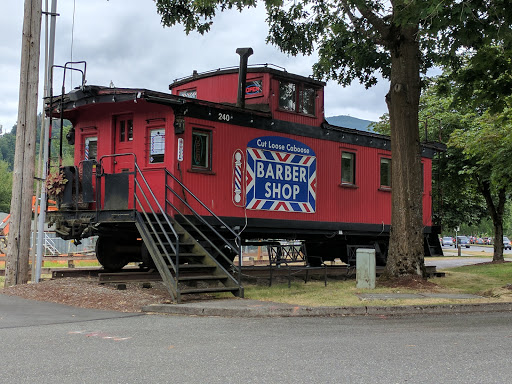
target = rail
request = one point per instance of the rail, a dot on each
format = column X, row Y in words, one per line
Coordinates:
column 142, row 193
column 49, row 245
column 174, row 246
column 221, row 224
column 212, row 71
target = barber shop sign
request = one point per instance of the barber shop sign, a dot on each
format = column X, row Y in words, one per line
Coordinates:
column 281, row 175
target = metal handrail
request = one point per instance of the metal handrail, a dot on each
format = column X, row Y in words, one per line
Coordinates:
column 174, row 248
column 49, row 245
column 265, row 65
column 237, row 249
column 184, row 188
column 136, row 202
column 102, row 172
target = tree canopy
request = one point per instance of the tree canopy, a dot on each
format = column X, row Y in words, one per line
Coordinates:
column 5, row 187
column 354, row 38
column 473, row 182
column 486, row 144
column 360, row 40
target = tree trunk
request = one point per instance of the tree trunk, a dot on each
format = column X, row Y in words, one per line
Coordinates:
column 406, row 254
column 498, row 243
column 496, row 212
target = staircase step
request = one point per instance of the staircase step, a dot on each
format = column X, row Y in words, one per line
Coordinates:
column 209, row 290
column 187, row 254
column 190, row 267
column 201, row 277
column 198, row 269
column 169, row 233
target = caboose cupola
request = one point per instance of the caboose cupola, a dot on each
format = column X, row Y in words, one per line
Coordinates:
column 261, row 87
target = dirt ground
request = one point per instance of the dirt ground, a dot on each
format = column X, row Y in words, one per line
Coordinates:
column 87, row 293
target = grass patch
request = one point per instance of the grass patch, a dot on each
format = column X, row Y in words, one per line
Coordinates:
column 337, row 294
column 314, row 293
column 64, row 264
column 488, row 280
column 477, row 279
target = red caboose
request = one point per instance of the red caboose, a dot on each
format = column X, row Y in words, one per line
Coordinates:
column 229, row 157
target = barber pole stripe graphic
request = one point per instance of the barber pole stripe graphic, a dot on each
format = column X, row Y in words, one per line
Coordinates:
column 238, row 163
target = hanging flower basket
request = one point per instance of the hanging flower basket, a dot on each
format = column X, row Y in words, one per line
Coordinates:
column 55, row 184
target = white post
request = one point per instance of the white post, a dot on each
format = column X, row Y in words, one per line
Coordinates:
column 46, row 124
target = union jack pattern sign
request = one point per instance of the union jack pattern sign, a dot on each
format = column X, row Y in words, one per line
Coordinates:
column 281, row 175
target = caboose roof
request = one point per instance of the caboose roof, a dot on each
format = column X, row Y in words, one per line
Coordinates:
column 91, row 95
column 94, row 94
column 274, row 70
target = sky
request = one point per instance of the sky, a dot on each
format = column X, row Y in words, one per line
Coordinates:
column 124, row 42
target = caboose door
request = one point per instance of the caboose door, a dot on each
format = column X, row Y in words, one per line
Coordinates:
column 119, row 186
column 123, row 144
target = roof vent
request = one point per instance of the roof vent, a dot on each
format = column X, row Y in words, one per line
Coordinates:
column 242, row 74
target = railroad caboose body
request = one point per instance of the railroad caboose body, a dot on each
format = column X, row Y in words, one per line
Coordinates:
column 250, row 146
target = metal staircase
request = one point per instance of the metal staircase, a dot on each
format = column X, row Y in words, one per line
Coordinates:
column 49, row 246
column 189, row 261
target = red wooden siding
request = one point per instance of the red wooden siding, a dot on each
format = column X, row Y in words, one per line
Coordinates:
column 364, row 203
column 224, row 88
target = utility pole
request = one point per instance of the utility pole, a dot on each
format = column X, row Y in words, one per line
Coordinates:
column 18, row 243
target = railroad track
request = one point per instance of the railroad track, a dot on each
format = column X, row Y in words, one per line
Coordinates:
column 249, row 273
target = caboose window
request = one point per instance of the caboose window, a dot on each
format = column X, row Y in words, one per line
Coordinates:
column 129, row 129
column 190, row 93
column 296, row 98
column 90, row 148
column 122, row 130
column 126, row 130
column 307, row 99
column 385, row 173
column 287, row 96
column 348, row 168
column 156, row 145
column 201, row 150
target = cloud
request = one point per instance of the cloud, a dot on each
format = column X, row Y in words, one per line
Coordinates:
column 123, row 41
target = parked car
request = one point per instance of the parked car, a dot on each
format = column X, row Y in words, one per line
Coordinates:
column 480, row 241
column 506, row 243
column 463, row 241
column 447, row 240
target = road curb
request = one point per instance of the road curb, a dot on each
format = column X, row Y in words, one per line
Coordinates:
column 252, row 308
column 439, row 309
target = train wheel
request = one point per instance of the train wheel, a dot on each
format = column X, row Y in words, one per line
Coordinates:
column 108, row 255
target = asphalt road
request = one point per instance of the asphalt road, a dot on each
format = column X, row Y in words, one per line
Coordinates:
column 85, row 346
column 468, row 256
column 489, row 250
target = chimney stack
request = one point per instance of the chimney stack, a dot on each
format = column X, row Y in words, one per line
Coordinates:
column 242, row 74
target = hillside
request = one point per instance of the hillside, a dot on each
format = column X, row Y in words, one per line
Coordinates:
column 350, row 122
